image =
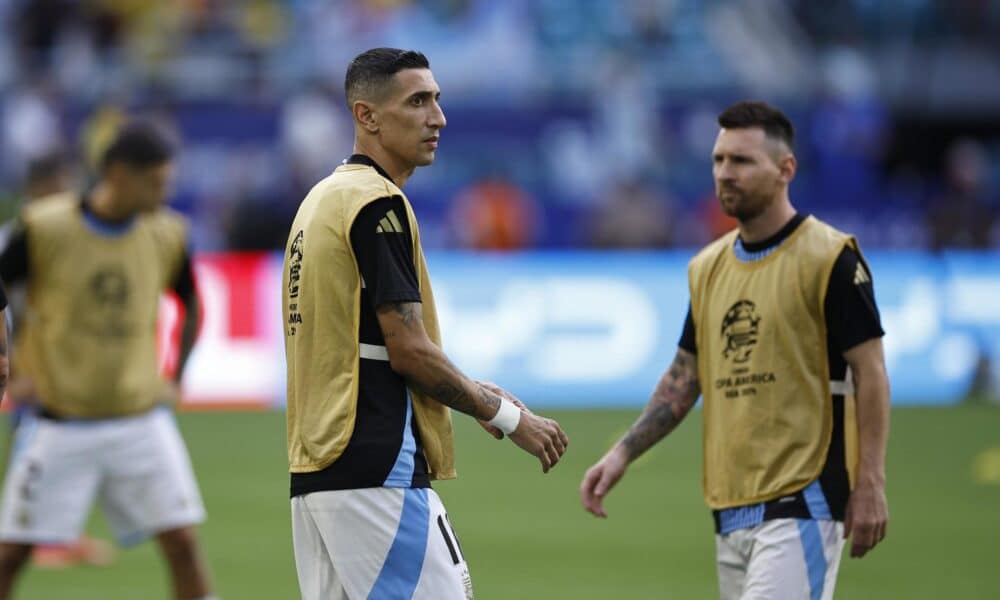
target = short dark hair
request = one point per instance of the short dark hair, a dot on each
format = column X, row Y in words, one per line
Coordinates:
column 749, row 113
column 138, row 144
column 371, row 70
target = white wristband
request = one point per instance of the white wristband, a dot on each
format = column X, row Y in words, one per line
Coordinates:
column 507, row 417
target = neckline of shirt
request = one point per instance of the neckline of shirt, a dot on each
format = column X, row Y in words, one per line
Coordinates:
column 364, row 159
column 775, row 239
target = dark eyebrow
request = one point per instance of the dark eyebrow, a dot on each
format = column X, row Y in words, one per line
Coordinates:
column 735, row 156
column 425, row 95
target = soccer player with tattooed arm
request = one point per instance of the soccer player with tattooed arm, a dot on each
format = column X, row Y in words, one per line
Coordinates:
column 784, row 343
column 370, row 391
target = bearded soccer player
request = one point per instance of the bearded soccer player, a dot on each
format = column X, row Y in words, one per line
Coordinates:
column 369, row 389
column 783, row 341
column 95, row 265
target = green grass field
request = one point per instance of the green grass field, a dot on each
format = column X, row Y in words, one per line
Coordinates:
column 526, row 536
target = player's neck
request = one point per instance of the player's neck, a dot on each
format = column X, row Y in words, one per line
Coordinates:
column 398, row 171
column 767, row 223
column 106, row 205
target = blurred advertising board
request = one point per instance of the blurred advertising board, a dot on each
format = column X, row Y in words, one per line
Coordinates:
column 591, row 329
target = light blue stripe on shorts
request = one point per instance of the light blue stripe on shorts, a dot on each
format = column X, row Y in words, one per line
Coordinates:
column 403, row 564
column 812, row 548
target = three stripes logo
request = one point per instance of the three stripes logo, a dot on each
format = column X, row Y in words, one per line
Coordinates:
column 389, row 224
column 861, row 275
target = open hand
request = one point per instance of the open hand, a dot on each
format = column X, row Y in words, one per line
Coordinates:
column 867, row 518
column 599, row 480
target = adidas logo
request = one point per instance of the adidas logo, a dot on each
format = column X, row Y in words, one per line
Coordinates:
column 389, row 224
column 861, row 275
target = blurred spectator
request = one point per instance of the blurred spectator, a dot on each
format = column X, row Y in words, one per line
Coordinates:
column 47, row 175
column 634, row 216
column 44, row 176
column 570, row 95
column 715, row 221
column 494, row 214
column 98, row 131
column 30, row 128
column 315, row 132
column 848, row 136
column 963, row 215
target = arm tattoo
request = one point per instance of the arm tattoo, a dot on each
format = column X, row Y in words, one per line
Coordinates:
column 455, row 397
column 674, row 396
column 451, row 395
column 488, row 398
column 433, row 374
column 408, row 312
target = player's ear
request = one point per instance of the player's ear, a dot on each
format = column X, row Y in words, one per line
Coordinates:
column 787, row 165
column 366, row 116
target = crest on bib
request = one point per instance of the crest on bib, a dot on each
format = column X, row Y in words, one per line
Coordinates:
column 740, row 327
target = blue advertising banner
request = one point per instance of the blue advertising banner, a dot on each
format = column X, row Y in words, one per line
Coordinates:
column 585, row 329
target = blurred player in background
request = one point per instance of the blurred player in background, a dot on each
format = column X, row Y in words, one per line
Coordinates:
column 95, row 266
column 781, row 336
column 47, row 177
column 368, row 385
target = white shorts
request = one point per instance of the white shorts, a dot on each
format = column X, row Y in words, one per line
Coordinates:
column 780, row 559
column 138, row 467
column 378, row 544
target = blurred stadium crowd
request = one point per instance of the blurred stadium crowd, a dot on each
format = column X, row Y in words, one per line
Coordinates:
column 571, row 124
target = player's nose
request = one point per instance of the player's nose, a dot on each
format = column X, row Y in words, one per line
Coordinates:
column 437, row 119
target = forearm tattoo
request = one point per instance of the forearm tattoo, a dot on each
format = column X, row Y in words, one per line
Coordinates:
column 488, row 398
column 441, row 380
column 453, row 396
column 674, row 396
column 449, row 394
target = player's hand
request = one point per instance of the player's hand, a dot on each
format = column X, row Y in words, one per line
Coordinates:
column 867, row 518
column 540, row 437
column 490, row 429
column 600, row 478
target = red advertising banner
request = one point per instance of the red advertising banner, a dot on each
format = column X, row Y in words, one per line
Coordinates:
column 238, row 360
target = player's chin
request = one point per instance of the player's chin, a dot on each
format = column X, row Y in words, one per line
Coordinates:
column 425, row 158
column 730, row 205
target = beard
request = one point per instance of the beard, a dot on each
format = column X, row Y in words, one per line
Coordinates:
column 741, row 205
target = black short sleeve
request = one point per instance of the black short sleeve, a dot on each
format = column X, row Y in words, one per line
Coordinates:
column 383, row 247
column 183, row 284
column 14, row 260
column 852, row 316
column 688, row 341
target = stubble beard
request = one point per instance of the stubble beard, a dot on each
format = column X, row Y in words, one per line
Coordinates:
column 746, row 207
